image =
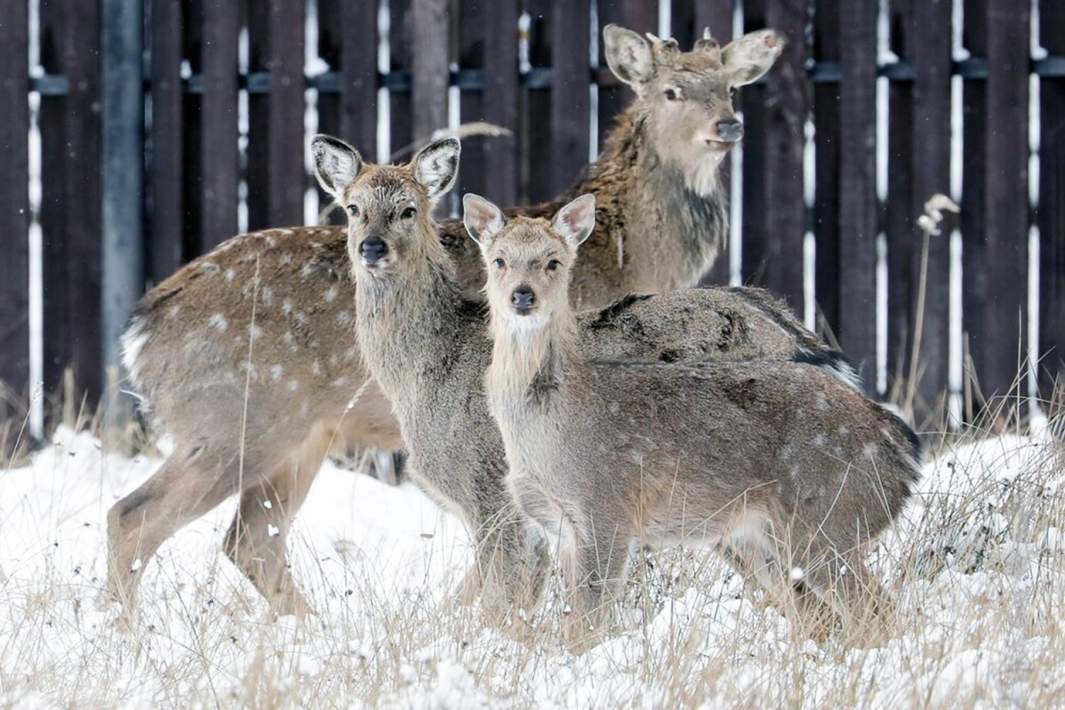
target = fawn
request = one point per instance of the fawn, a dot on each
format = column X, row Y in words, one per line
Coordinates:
column 264, row 323
column 426, row 346
column 778, row 463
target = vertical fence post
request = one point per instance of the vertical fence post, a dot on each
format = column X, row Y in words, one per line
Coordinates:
column 122, row 176
column 775, row 226
column 827, row 42
column 220, row 156
column 14, row 205
column 570, row 105
column 998, row 321
column 1052, row 204
column 500, row 99
column 167, row 218
column 429, row 69
column 857, row 185
column 70, row 203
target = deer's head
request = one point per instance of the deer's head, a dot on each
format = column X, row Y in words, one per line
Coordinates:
column 528, row 259
column 389, row 207
column 686, row 97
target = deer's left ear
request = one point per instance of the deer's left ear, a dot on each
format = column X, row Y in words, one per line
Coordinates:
column 437, row 165
column 576, row 221
column 748, row 58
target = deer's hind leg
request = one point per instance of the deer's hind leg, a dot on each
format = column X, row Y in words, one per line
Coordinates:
column 190, row 483
column 257, row 538
column 754, row 549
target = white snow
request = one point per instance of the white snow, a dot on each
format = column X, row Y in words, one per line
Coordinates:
column 980, row 607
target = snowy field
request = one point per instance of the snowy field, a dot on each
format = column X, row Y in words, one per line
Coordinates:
column 977, row 564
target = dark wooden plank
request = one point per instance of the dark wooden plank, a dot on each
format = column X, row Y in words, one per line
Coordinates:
column 221, row 157
column 919, row 166
column 14, row 205
column 257, row 154
column 1051, row 214
column 973, row 216
column 570, row 105
column 288, row 178
column 400, row 51
column 826, row 169
column 472, row 35
column 330, row 38
column 501, row 96
column 931, row 166
column 165, row 165
column 615, row 97
column 997, row 326
column 192, row 140
column 429, row 67
column 537, row 165
column 857, row 186
column 774, row 227
column 358, row 62
column 900, row 212
column 70, row 146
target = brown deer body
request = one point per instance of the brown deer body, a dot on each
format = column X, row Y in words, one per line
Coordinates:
column 777, row 462
column 249, row 359
column 426, row 346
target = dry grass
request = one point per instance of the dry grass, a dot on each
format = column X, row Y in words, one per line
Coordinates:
column 977, row 565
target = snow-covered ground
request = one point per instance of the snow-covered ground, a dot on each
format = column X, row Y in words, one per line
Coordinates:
column 977, row 564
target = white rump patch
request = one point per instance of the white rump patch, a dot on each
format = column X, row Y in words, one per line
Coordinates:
column 275, row 372
column 331, row 294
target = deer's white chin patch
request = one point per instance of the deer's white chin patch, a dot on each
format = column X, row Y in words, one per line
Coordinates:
column 701, row 176
column 527, row 325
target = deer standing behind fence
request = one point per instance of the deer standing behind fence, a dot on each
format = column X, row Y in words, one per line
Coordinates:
column 781, row 464
column 247, row 356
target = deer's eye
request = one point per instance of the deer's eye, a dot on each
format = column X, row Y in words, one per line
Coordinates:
column 407, row 213
column 672, row 94
column 553, row 265
column 499, row 263
column 353, row 210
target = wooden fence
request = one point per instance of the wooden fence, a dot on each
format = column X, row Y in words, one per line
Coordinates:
column 217, row 142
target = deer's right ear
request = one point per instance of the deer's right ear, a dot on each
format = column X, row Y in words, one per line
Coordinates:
column 336, row 163
column 629, row 56
column 483, row 219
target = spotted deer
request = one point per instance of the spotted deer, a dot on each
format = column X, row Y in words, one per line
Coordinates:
column 786, row 468
column 425, row 344
column 247, row 356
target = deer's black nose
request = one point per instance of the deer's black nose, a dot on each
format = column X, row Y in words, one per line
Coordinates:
column 523, row 298
column 729, row 130
column 372, row 249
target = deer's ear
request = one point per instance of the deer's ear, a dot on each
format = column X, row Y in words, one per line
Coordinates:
column 437, row 165
column 483, row 219
column 629, row 56
column 576, row 220
column 336, row 163
column 748, row 58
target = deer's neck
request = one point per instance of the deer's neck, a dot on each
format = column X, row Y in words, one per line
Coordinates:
column 408, row 321
column 531, row 369
column 666, row 224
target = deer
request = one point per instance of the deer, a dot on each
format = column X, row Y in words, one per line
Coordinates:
column 425, row 344
column 788, row 470
column 264, row 323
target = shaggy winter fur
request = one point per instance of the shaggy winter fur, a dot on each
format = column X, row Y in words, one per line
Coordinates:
column 778, row 463
column 249, row 359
